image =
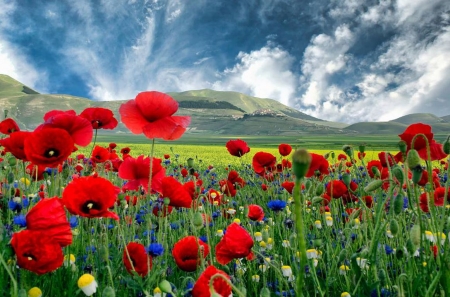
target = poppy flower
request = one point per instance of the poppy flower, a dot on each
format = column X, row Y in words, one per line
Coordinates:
column 342, row 157
column 436, row 150
column 439, row 195
column 100, row 154
column 288, row 186
column 151, row 113
column 383, row 156
column 235, row 179
column 286, row 163
column 8, row 126
column 15, row 144
column 36, row 172
column 237, row 147
column 227, row 188
column 193, row 189
column 262, row 162
column 214, row 196
column 284, row 149
column 319, row 166
column 49, row 216
column 36, row 251
column 78, row 128
column 336, row 189
column 184, row 172
column 361, row 155
column 255, row 212
column 125, row 151
column 137, row 172
column 48, row 147
column 100, row 118
column 161, row 210
column 91, row 196
column 174, row 190
column 140, row 260
column 236, row 243
column 188, row 253
column 376, row 164
column 201, row 286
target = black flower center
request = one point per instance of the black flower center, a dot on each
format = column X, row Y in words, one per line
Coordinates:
column 51, row 153
column 88, row 205
column 30, row 257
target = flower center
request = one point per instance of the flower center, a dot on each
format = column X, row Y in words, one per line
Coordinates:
column 89, row 205
column 50, row 153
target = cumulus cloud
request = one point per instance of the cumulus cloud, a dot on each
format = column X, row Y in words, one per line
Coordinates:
column 262, row 73
column 408, row 72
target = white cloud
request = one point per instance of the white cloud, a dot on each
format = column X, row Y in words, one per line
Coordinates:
column 262, row 73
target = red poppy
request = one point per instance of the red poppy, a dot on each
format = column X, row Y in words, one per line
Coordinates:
column 78, row 128
column 202, row 285
column 336, row 189
column 368, row 200
column 36, row 172
column 175, row 191
column 214, row 196
column 263, row 162
column 284, row 149
column 140, row 262
column 424, row 179
column 36, row 251
column 342, row 157
column 264, row 187
column 125, row 151
column 288, row 186
column 8, row 126
column 184, row 172
column 383, row 156
column 193, row 189
column 15, row 144
column 188, row 253
column 237, row 147
column 236, row 243
column 439, row 196
column 91, row 196
column 286, row 163
column 151, row 113
column 161, row 210
column 166, row 156
column 100, row 118
column 255, row 212
column 227, row 187
column 49, row 216
column 48, row 147
column 137, row 172
column 319, row 166
column 235, row 179
column 436, row 150
column 376, row 164
column 361, row 155
column 100, row 154
column 112, row 145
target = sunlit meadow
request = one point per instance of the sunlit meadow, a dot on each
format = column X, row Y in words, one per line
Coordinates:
column 268, row 222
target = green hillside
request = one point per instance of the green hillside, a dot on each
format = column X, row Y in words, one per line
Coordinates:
column 391, row 128
column 426, row 118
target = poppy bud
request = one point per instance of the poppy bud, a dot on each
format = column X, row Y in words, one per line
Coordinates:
column 301, row 160
column 316, row 199
column 382, row 275
column 402, row 146
column 326, row 155
column 12, row 161
column 375, row 171
column 308, row 184
column 332, row 155
column 108, row 292
column 165, row 286
column 347, row 178
column 410, row 246
column 348, row 150
column 319, row 189
column 414, row 234
column 397, row 171
column 398, row 203
column 416, row 173
column 190, row 162
column 393, row 226
column 374, row 185
column 446, row 146
column 166, row 201
column 318, row 242
column 413, row 159
column 362, row 148
column 198, row 220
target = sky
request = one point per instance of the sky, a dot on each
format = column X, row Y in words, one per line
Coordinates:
column 339, row 60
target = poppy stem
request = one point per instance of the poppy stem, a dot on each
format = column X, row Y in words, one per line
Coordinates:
column 152, row 150
column 93, row 145
column 299, row 224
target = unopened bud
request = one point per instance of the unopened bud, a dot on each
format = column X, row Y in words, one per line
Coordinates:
column 319, row 189
column 417, row 173
column 446, row 146
column 413, row 159
column 348, row 150
column 402, row 146
column 362, row 148
column 374, row 185
column 165, row 286
column 393, row 226
column 301, row 160
column 397, row 171
column 198, row 220
column 347, row 179
column 414, row 234
column 108, row 292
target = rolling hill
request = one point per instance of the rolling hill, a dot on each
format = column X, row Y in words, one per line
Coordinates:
column 212, row 112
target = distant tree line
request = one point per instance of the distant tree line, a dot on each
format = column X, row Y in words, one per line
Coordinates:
column 209, row 105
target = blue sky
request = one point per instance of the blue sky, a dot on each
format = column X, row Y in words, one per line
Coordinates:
column 340, row 60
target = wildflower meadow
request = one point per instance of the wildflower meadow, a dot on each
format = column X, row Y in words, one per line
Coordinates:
column 82, row 218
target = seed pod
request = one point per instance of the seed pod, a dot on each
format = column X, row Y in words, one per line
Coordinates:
column 347, row 178
column 413, row 159
column 402, row 146
column 393, row 226
column 398, row 204
column 316, row 200
column 198, row 220
column 374, row 185
column 416, row 174
column 308, row 184
column 301, row 160
column 165, row 286
column 108, row 292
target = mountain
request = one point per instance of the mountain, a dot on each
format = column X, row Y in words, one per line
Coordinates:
column 212, row 112
column 397, row 126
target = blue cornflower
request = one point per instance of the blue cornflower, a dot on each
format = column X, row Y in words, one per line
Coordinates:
column 15, row 205
column 73, row 222
column 155, row 249
column 276, row 205
column 20, row 221
column 203, row 238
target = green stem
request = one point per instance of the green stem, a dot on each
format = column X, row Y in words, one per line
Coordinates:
column 299, row 224
column 152, row 150
column 15, row 292
column 93, row 145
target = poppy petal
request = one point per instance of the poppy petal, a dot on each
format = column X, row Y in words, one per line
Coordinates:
column 155, row 105
column 132, row 117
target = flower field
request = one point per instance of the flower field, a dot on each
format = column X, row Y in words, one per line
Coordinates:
column 111, row 219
